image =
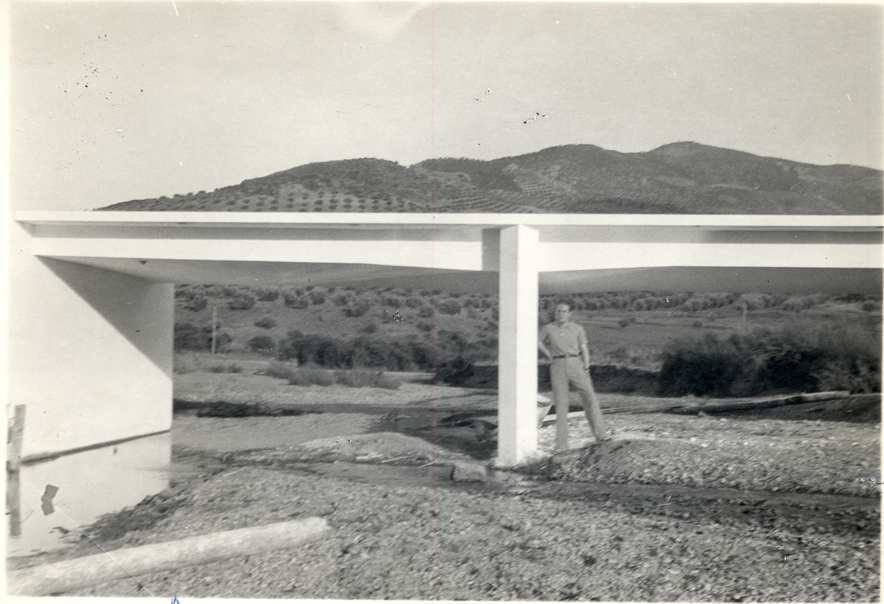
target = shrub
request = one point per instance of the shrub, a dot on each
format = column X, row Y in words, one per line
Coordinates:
column 223, row 340
column 196, row 303
column 342, row 299
column 361, row 378
column 266, row 294
column 358, row 307
column 241, row 302
column 266, row 323
column 317, row 296
column 871, row 306
column 262, row 344
column 449, row 306
column 295, row 300
column 370, row 327
column 188, row 336
column 425, row 312
column 454, row 372
column 316, row 349
column 309, row 376
column 279, row 369
column 794, row 358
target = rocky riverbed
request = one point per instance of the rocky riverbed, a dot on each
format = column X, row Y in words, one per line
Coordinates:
column 675, row 508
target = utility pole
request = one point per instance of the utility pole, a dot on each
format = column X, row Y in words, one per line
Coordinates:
column 214, row 323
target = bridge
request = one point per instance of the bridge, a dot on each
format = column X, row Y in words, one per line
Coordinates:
column 92, row 293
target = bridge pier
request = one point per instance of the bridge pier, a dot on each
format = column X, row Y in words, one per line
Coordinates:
column 92, row 356
column 517, row 345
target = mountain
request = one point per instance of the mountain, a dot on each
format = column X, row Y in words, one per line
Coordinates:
column 679, row 178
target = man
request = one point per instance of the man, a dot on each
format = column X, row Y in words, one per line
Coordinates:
column 564, row 344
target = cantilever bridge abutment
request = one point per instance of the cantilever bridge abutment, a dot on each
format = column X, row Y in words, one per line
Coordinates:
column 91, row 293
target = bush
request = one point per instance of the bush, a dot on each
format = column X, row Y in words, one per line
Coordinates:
column 196, row 303
column 454, row 372
column 279, row 369
column 309, row 376
column 449, row 306
column 262, row 344
column 871, row 306
column 266, row 294
column 296, row 300
column 370, row 327
column 241, row 302
column 361, row 378
column 222, row 340
column 311, row 349
column 188, row 336
column 317, row 296
column 425, row 312
column 266, row 323
column 358, row 307
column 414, row 302
column 791, row 359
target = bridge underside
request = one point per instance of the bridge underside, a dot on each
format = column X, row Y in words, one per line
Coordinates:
column 699, row 279
column 91, row 315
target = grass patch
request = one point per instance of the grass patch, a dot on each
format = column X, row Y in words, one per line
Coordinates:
column 225, row 368
column 311, row 375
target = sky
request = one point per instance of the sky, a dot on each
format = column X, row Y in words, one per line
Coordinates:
column 112, row 101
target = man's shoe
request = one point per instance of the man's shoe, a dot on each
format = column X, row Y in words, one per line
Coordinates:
column 608, row 436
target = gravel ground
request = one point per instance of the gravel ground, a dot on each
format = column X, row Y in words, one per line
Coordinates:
column 676, row 508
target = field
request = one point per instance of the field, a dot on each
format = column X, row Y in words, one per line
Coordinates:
column 702, row 344
column 625, row 334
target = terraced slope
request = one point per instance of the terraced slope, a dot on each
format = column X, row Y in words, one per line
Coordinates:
column 682, row 178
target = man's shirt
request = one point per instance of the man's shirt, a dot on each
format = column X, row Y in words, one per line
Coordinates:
column 566, row 339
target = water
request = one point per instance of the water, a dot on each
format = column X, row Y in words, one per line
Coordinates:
column 89, row 484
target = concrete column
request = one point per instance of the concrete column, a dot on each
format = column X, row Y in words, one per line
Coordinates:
column 517, row 356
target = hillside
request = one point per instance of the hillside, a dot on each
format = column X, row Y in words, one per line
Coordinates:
column 680, row 178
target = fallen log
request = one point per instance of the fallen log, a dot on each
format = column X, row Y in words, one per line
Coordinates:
column 64, row 576
column 765, row 403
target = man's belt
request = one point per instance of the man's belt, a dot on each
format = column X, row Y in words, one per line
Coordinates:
column 565, row 356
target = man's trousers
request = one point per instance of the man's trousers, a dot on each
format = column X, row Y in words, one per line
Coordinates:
column 567, row 371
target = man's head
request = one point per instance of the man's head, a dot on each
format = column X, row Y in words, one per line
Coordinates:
column 563, row 313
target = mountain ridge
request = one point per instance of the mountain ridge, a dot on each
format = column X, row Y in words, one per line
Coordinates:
column 682, row 177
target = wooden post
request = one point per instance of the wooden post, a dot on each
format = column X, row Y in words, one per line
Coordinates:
column 13, row 463
column 14, row 439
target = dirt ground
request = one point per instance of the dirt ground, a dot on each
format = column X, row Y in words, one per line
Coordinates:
column 676, row 508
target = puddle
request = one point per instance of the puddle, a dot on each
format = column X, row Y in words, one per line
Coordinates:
column 46, row 500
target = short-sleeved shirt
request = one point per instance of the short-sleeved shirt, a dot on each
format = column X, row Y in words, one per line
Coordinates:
column 566, row 339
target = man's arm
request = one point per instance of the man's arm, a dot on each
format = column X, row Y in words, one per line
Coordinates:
column 540, row 346
column 584, row 352
column 584, row 348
